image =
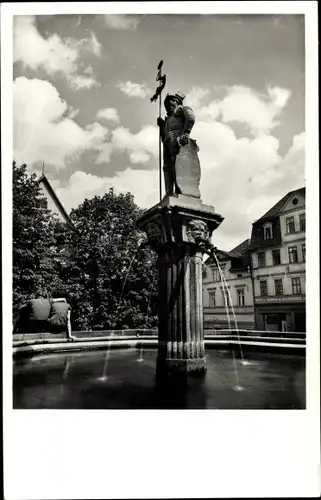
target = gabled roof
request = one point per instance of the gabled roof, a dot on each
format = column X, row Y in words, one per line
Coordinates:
column 225, row 255
column 277, row 208
column 240, row 249
column 43, row 180
column 220, row 254
column 236, row 253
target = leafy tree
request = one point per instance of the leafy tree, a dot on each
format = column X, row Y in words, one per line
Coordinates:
column 111, row 281
column 96, row 262
column 35, row 246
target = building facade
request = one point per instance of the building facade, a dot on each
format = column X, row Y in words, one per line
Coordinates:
column 265, row 276
column 235, row 267
column 277, row 251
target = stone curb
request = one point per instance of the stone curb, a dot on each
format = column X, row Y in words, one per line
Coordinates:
column 34, row 348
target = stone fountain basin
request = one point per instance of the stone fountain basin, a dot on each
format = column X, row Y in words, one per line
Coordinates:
column 118, row 372
column 28, row 344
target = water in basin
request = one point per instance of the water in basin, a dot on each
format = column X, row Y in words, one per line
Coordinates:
column 114, row 379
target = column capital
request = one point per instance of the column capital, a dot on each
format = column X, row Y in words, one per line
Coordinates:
column 178, row 220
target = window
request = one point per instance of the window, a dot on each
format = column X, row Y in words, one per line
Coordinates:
column 303, row 252
column 278, row 284
column 293, row 254
column 302, row 222
column 268, row 233
column 271, row 319
column 257, row 233
column 212, row 299
column 216, row 275
column 263, row 288
column 261, row 259
column 240, row 297
column 296, row 286
column 290, row 226
column 276, row 257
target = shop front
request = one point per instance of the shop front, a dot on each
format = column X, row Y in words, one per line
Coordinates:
column 278, row 317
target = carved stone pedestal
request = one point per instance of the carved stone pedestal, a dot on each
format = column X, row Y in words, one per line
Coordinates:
column 175, row 228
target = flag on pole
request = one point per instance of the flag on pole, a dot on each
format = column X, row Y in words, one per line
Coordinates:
column 158, row 94
column 159, row 78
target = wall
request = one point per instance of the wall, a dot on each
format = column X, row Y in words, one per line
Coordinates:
column 286, row 270
column 216, row 317
column 294, row 212
column 288, row 306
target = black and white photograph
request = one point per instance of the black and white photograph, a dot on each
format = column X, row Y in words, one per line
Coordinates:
column 159, row 174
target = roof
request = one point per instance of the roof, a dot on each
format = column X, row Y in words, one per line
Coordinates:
column 225, row 254
column 276, row 209
column 43, row 180
column 237, row 252
column 240, row 249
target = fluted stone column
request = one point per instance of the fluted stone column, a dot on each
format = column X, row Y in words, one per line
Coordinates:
column 173, row 228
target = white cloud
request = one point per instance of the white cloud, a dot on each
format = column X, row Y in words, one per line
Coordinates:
column 196, row 95
column 109, row 114
column 44, row 129
column 294, row 160
column 140, row 147
column 244, row 177
column 89, row 70
column 79, row 82
column 210, row 112
column 257, row 111
column 95, row 47
column 132, row 89
column 139, row 157
column 72, row 112
column 83, row 185
column 278, row 97
column 54, row 54
column 121, row 22
column 290, row 173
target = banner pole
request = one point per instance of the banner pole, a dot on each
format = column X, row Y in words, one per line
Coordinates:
column 158, row 95
column 160, row 151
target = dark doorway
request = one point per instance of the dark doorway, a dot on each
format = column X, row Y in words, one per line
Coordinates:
column 299, row 322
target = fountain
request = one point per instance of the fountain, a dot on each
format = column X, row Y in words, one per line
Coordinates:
column 178, row 229
column 174, row 228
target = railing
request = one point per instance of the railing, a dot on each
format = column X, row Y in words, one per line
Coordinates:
column 31, row 344
column 253, row 333
column 114, row 334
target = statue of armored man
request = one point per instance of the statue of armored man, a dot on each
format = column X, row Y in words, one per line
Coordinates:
column 180, row 161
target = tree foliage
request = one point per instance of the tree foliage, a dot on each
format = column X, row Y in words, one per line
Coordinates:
column 111, row 280
column 34, row 234
column 97, row 262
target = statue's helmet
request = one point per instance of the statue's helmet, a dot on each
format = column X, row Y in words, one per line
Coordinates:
column 179, row 96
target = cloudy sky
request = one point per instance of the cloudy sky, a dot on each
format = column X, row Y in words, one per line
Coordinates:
column 81, row 105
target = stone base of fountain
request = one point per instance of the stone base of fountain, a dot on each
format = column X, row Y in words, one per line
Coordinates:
column 176, row 228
